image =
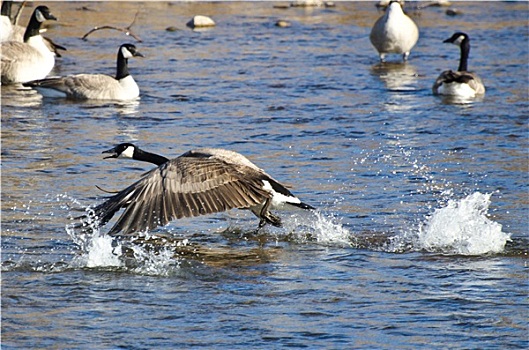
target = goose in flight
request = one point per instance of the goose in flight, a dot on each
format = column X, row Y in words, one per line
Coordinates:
column 199, row 182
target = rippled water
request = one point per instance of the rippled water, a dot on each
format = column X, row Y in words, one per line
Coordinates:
column 421, row 234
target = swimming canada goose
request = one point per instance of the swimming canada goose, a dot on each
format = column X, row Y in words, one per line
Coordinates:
column 199, row 182
column 394, row 32
column 461, row 83
column 94, row 86
column 31, row 59
column 14, row 32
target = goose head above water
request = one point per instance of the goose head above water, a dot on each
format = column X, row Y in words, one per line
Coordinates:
column 125, row 52
column 94, row 86
column 463, row 41
column 394, row 32
column 199, row 182
column 462, row 82
column 130, row 151
column 39, row 16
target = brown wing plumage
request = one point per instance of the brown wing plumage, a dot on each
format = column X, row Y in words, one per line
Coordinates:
column 460, row 77
column 83, row 86
column 183, row 187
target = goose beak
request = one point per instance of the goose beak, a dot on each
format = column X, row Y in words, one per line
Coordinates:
column 138, row 54
column 114, row 153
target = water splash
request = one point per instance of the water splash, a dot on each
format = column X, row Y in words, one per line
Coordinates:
column 323, row 228
column 101, row 252
column 462, row 227
column 98, row 250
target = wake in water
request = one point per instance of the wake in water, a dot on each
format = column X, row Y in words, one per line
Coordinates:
column 462, row 227
column 457, row 227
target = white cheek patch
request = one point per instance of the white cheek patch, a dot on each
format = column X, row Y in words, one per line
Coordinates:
column 125, row 52
column 40, row 17
column 459, row 40
column 127, row 153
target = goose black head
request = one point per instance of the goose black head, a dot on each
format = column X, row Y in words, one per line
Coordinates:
column 43, row 13
column 123, row 150
column 129, row 50
column 457, row 38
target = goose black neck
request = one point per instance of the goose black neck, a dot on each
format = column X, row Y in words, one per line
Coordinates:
column 123, row 67
column 465, row 50
column 33, row 28
column 6, row 9
column 149, row 157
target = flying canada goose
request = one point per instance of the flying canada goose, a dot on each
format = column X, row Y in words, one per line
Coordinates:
column 30, row 60
column 394, row 32
column 461, row 83
column 199, row 182
column 94, row 86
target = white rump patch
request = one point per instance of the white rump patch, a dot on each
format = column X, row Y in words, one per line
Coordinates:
column 457, row 89
column 278, row 199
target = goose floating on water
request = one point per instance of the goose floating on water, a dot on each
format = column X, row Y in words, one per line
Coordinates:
column 199, row 182
column 29, row 60
column 94, row 86
column 394, row 32
column 14, row 32
column 460, row 83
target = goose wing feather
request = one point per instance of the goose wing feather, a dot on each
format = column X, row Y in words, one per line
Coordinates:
column 82, row 86
column 460, row 77
column 16, row 53
column 183, row 187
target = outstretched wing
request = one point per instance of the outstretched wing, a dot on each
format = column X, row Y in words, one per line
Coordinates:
column 183, row 187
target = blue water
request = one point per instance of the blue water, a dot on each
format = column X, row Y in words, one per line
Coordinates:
column 421, row 235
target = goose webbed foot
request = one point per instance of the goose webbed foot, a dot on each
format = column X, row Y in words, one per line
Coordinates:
column 267, row 217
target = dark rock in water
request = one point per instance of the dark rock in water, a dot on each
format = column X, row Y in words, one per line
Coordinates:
column 453, row 12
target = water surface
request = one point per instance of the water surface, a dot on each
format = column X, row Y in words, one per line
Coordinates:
column 420, row 238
